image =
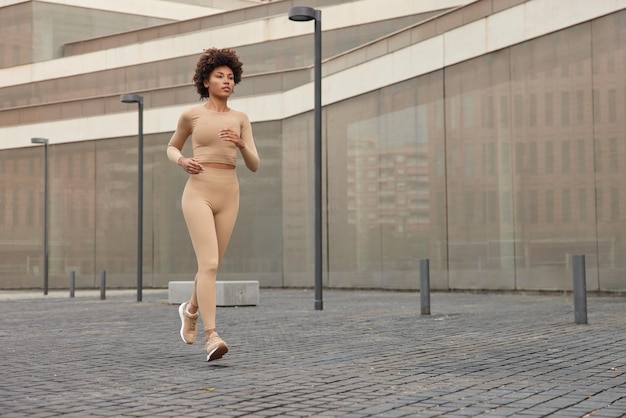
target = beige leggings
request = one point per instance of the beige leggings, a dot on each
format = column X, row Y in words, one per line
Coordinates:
column 210, row 204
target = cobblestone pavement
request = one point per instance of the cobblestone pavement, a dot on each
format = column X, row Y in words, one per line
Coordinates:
column 367, row 354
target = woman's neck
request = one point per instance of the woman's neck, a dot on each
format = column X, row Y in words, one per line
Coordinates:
column 217, row 105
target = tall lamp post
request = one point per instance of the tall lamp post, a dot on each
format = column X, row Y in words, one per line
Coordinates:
column 44, row 141
column 304, row 14
column 135, row 98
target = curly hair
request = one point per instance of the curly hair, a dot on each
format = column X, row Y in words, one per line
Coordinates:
column 211, row 59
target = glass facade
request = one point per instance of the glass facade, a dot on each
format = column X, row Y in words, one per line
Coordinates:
column 497, row 169
column 385, row 186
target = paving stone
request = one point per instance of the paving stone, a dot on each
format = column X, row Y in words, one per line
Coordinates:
column 369, row 353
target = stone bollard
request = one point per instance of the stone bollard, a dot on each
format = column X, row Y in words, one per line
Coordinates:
column 227, row 293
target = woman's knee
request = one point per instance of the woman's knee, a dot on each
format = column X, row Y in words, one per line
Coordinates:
column 208, row 269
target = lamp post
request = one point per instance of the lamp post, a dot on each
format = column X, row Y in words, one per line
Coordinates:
column 304, row 14
column 135, row 98
column 44, row 141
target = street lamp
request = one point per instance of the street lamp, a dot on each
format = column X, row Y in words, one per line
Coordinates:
column 44, row 141
column 135, row 98
column 304, row 14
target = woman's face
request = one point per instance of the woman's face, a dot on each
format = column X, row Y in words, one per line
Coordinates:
column 221, row 82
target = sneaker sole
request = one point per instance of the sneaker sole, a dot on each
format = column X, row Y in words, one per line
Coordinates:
column 182, row 323
column 217, row 352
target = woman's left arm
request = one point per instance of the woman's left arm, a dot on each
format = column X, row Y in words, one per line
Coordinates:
column 249, row 151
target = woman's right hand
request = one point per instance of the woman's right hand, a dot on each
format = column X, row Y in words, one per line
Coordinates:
column 190, row 165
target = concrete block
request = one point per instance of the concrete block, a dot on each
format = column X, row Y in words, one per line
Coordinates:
column 230, row 293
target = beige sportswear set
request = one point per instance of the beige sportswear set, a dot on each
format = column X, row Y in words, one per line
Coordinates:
column 210, row 200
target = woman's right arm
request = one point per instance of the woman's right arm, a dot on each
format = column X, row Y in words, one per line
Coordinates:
column 175, row 146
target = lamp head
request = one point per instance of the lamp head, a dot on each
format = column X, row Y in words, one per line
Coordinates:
column 131, row 98
column 301, row 13
column 38, row 141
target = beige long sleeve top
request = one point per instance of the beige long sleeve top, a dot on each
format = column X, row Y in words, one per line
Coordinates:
column 204, row 125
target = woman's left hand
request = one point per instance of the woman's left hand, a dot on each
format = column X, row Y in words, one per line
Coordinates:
column 230, row 135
